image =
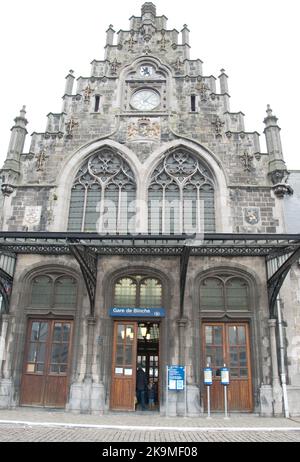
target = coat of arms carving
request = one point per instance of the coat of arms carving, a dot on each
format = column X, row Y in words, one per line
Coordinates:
column 252, row 215
column 143, row 128
column 32, row 216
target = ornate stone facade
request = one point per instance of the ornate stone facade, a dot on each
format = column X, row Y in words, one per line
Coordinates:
column 146, row 102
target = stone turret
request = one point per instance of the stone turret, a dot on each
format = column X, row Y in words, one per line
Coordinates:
column 110, row 35
column 11, row 168
column 277, row 169
column 69, row 83
column 148, row 12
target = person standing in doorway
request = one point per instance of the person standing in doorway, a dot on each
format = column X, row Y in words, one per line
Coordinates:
column 141, row 387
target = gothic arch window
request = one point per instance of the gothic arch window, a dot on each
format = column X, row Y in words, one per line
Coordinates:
column 224, row 293
column 138, row 291
column 103, row 195
column 181, row 196
column 53, row 291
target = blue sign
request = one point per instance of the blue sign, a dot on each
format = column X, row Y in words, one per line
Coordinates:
column 207, row 376
column 224, row 376
column 137, row 312
column 176, row 377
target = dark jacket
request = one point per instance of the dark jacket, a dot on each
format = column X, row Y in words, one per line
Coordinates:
column 141, row 380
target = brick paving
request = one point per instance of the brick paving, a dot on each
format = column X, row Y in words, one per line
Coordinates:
column 21, row 433
column 38, row 425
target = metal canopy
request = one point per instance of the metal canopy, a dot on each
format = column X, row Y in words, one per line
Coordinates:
column 145, row 244
column 86, row 247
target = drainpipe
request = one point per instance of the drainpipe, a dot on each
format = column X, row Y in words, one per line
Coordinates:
column 282, row 362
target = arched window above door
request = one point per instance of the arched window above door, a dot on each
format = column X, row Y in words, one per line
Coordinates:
column 138, row 291
column 181, row 196
column 103, row 195
column 53, row 291
column 224, row 293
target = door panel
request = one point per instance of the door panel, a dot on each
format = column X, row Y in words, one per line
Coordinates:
column 229, row 343
column 124, row 366
column 47, row 363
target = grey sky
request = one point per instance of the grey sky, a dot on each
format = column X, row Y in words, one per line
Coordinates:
column 255, row 41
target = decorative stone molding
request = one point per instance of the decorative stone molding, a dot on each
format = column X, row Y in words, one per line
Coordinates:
column 218, row 124
column 131, row 42
column 40, row 161
column 52, row 135
column 279, row 179
column 203, row 90
column 87, row 93
column 247, row 161
column 282, row 190
column 70, row 125
column 163, row 42
column 9, row 181
column 7, row 189
column 114, row 65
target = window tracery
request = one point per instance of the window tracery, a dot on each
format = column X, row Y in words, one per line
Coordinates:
column 102, row 195
column 138, row 291
column 224, row 293
column 181, row 196
column 53, row 291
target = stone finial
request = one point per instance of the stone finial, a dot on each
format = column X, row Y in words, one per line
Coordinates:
column 269, row 110
column 23, row 111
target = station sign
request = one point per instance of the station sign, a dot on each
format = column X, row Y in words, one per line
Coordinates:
column 129, row 312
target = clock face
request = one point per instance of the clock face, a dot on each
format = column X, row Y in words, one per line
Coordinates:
column 145, row 100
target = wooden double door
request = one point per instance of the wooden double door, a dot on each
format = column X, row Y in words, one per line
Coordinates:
column 228, row 343
column 46, row 363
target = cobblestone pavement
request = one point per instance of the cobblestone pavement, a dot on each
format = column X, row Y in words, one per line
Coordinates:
column 36, row 424
column 21, row 433
column 28, row 414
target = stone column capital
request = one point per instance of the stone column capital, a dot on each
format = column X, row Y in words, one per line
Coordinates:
column 91, row 320
column 272, row 323
column 182, row 322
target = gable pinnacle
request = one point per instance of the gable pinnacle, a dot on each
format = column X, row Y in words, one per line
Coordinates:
column 269, row 110
column 148, row 7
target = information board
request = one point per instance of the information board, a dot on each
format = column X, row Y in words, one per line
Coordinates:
column 224, row 376
column 208, row 376
column 176, row 377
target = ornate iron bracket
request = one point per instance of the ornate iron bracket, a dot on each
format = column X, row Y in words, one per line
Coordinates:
column 184, row 260
column 275, row 282
column 87, row 260
column 5, row 288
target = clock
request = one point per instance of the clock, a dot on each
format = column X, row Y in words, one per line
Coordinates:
column 145, row 100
